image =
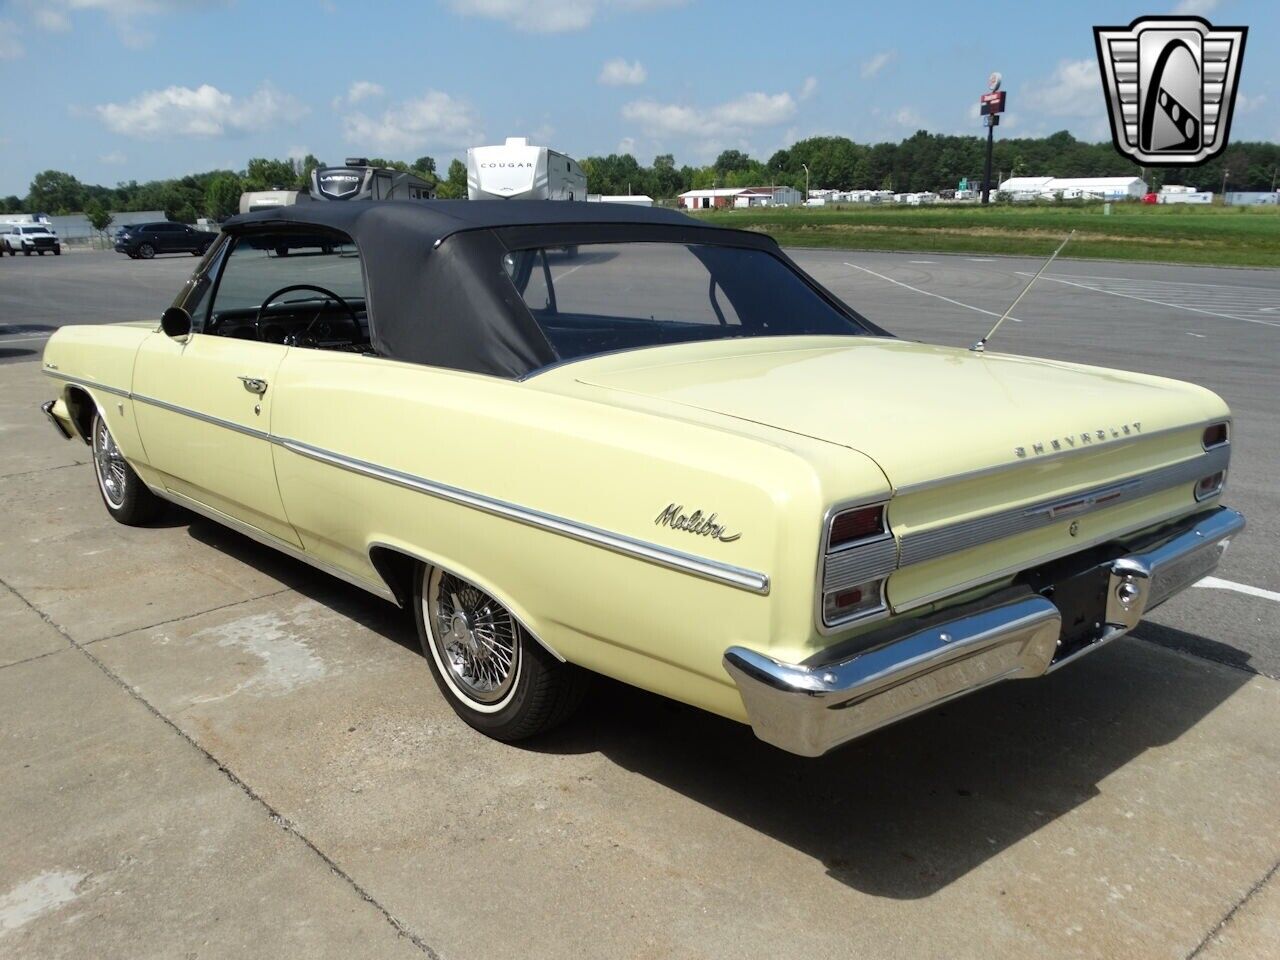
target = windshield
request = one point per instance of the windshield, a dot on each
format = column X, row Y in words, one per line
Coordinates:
column 598, row 298
column 33, row 230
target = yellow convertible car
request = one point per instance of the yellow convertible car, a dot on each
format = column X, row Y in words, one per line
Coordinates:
column 584, row 438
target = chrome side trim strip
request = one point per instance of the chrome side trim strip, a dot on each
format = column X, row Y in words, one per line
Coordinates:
column 1046, row 458
column 80, row 381
column 725, row 573
column 653, row 553
column 264, row 538
column 952, row 538
column 205, row 417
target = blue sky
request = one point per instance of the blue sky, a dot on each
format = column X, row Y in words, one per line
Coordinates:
column 136, row 89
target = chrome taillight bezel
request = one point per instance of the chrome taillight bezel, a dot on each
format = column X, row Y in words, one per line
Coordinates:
column 1225, row 426
column 879, row 576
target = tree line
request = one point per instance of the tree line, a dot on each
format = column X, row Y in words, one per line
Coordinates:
column 924, row 161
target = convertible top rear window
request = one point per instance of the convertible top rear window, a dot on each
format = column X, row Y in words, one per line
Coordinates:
column 602, row 297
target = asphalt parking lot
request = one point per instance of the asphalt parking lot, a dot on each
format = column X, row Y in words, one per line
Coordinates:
column 212, row 750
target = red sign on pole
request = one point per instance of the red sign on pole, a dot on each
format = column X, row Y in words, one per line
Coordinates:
column 992, row 102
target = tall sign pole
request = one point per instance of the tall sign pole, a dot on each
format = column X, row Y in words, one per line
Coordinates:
column 992, row 103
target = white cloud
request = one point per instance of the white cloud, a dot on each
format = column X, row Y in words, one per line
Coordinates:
column 1073, row 90
column 359, row 90
column 434, row 119
column 114, row 157
column 1200, row 8
column 618, row 73
column 874, row 65
column 56, row 15
column 203, row 111
column 297, row 153
column 809, row 89
column 907, row 117
column 725, row 119
column 10, row 46
column 1247, row 104
column 550, row 16
column 627, row 145
column 48, row 17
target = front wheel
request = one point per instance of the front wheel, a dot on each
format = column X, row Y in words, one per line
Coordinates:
column 127, row 498
column 494, row 674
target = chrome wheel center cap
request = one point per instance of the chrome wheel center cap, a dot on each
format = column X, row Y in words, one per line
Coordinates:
column 461, row 632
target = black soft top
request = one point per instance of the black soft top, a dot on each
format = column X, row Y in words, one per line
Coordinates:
column 435, row 287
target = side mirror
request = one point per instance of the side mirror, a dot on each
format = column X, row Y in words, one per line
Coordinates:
column 176, row 323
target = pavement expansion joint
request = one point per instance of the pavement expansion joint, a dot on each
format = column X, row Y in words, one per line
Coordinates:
column 185, row 616
column 32, row 473
column 272, row 813
column 1235, row 908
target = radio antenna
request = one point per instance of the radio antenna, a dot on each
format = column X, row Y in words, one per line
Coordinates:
column 981, row 345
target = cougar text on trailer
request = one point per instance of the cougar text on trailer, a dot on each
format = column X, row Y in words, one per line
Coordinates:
column 517, row 171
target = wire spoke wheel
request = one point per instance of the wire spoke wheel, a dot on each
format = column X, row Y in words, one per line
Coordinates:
column 109, row 464
column 475, row 639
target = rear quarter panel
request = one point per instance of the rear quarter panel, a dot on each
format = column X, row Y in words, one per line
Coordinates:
column 590, row 462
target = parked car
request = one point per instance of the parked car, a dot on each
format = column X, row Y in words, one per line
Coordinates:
column 675, row 459
column 145, row 240
column 30, row 238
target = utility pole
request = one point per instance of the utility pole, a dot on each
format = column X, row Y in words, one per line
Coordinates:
column 806, row 182
column 1274, row 171
column 1225, row 173
column 993, row 104
column 986, row 169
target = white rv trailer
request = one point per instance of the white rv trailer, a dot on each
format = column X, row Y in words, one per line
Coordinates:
column 254, row 200
column 517, row 171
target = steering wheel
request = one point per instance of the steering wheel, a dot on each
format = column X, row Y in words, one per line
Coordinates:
column 305, row 333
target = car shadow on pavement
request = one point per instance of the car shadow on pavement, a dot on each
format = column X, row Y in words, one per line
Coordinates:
column 909, row 809
column 901, row 813
column 379, row 616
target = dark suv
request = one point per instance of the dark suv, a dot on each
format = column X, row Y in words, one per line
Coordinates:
column 145, row 240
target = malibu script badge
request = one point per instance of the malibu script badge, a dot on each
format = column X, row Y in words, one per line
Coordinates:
column 698, row 523
column 1171, row 87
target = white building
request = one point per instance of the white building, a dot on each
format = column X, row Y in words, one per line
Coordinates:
column 1074, row 188
column 720, row 197
column 632, row 199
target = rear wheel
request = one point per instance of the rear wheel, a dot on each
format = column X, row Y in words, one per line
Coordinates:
column 494, row 674
column 146, row 251
column 127, row 498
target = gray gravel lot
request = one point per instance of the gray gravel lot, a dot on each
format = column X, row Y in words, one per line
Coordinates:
column 211, row 750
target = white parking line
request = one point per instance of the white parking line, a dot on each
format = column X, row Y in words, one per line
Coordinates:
column 1161, row 303
column 1214, row 583
column 4, row 340
column 938, row 296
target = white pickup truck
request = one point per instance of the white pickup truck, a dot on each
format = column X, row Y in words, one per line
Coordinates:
column 29, row 238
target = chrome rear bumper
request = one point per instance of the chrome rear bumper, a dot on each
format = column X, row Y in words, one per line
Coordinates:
column 810, row 708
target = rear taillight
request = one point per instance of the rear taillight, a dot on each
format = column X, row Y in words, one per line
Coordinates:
column 849, row 602
column 859, row 553
column 852, row 526
column 1216, row 435
column 1211, row 485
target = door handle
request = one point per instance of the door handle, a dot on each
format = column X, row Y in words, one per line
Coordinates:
column 254, row 385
